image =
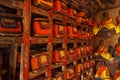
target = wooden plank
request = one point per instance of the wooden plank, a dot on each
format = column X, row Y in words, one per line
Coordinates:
column 3, row 34
column 58, row 40
column 39, row 40
column 14, row 4
column 10, row 15
column 37, row 73
column 57, row 65
column 9, row 40
column 13, row 61
column 70, row 61
column 57, row 17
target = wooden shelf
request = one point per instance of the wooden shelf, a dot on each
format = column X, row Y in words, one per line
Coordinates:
column 58, row 40
column 71, row 40
column 57, row 65
column 57, row 17
column 37, row 73
column 70, row 60
column 39, row 11
column 29, row 12
column 14, row 4
column 60, row 13
column 10, row 15
column 9, row 40
column 39, row 40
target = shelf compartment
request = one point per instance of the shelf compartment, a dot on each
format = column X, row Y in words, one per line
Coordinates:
column 41, row 27
column 8, row 60
column 57, row 73
column 71, row 53
column 72, row 31
column 70, row 71
column 38, row 64
column 10, row 25
column 58, row 56
column 72, row 13
column 40, row 57
column 59, row 30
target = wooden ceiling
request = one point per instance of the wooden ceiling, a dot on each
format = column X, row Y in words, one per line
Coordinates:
column 93, row 6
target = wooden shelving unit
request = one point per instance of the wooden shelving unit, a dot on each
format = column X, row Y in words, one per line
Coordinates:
column 27, row 11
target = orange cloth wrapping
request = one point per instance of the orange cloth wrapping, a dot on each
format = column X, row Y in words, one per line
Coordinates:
column 71, row 53
column 37, row 27
column 103, row 52
column 59, row 30
column 81, row 14
column 71, row 12
column 57, row 5
column 18, row 29
column 59, row 56
column 117, row 75
column 102, row 49
column 70, row 73
column 34, row 63
column 91, row 63
column 79, row 51
column 118, row 18
column 79, row 68
column 103, row 73
column 117, row 48
column 72, row 31
column 110, row 25
column 109, row 19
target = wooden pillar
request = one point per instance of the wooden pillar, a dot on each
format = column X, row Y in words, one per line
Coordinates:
column 24, row 71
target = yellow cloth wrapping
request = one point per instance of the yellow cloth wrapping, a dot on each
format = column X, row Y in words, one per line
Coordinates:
column 117, row 75
column 105, row 74
column 118, row 78
column 95, row 30
column 110, row 24
column 117, row 29
column 105, row 54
